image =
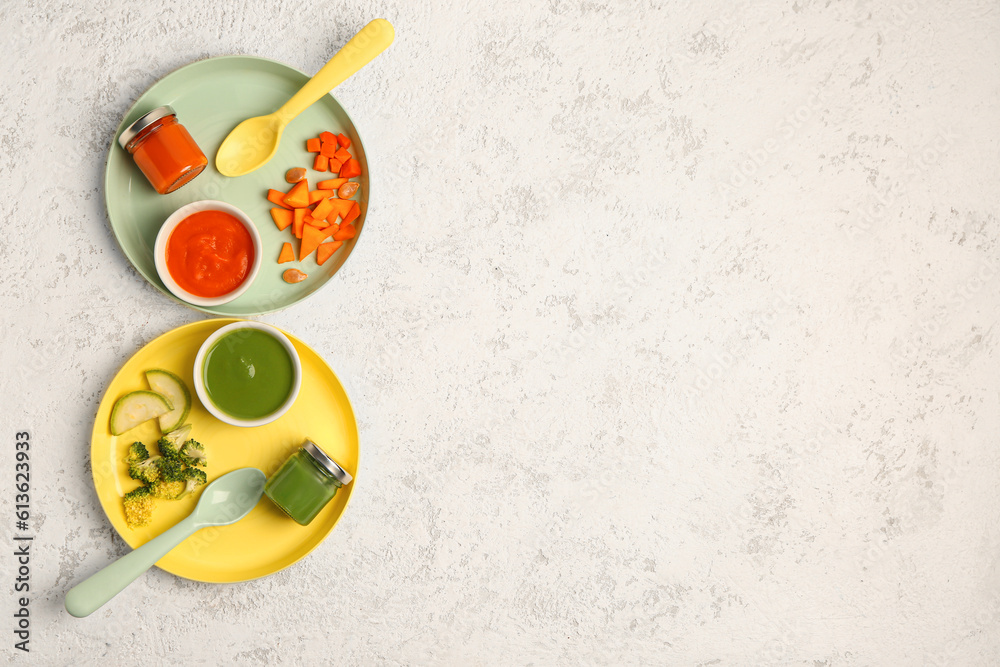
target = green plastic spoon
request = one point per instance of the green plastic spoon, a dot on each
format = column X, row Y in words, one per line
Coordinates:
column 255, row 141
column 226, row 500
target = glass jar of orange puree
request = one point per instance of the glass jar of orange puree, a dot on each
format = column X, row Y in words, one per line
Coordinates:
column 163, row 149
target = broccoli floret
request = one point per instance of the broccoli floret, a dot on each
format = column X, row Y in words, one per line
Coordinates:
column 193, row 453
column 193, row 478
column 137, row 453
column 171, row 443
column 169, row 476
column 157, row 468
column 147, row 471
column 168, row 449
column 138, row 507
column 171, row 470
column 167, row 490
column 195, row 475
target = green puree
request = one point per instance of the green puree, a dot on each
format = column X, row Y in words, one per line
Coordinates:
column 248, row 374
column 300, row 488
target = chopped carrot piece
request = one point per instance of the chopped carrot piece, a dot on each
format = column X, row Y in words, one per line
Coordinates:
column 322, row 209
column 343, row 140
column 312, row 145
column 348, row 189
column 331, row 184
column 344, row 233
column 321, row 163
column 298, row 196
column 293, row 276
column 282, row 218
column 287, row 254
column 326, row 250
column 334, row 166
column 295, row 174
column 329, row 149
column 276, row 197
column 316, row 195
column 298, row 220
column 342, row 154
column 311, row 238
column 341, row 207
column 352, row 214
column 327, row 137
column 318, row 223
column 350, row 169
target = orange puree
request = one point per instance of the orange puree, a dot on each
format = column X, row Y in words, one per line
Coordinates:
column 209, row 253
column 167, row 154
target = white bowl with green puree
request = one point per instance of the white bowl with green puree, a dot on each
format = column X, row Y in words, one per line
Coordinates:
column 247, row 374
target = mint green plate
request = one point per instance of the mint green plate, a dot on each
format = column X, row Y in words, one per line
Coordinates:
column 211, row 97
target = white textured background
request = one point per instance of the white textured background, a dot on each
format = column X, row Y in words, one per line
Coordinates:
column 673, row 338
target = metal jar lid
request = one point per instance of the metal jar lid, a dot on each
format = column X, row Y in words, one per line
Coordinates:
column 326, row 462
column 144, row 121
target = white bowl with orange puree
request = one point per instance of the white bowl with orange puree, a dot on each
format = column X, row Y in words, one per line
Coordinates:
column 207, row 253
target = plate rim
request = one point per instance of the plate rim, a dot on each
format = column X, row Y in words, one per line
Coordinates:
column 107, row 166
column 221, row 321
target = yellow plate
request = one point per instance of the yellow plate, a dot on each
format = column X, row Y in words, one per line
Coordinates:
column 266, row 541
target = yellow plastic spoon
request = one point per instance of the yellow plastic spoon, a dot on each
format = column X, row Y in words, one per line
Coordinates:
column 255, row 141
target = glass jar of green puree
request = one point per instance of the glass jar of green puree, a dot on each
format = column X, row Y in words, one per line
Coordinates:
column 305, row 483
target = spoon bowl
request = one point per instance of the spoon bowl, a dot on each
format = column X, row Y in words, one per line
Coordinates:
column 226, row 500
column 229, row 498
column 252, row 143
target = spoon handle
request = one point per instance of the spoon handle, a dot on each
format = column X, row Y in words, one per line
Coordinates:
column 91, row 594
column 373, row 39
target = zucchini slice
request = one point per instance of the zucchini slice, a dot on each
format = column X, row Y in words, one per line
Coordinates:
column 137, row 407
column 174, row 390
